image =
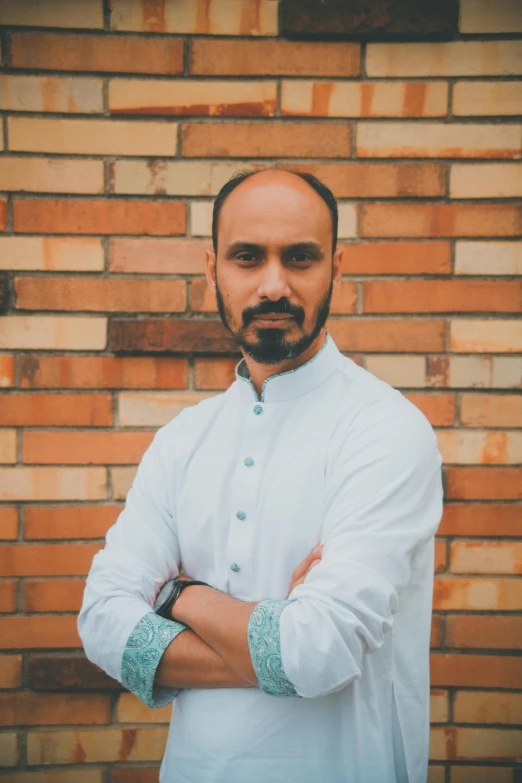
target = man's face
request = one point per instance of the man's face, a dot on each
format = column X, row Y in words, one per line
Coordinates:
column 274, row 273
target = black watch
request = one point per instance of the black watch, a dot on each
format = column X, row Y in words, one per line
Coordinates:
column 165, row 607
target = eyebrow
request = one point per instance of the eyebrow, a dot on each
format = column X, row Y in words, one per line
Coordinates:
column 252, row 247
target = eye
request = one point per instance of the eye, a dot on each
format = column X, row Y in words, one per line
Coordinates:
column 246, row 257
column 300, row 258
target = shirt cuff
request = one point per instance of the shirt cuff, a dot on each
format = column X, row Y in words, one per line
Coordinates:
column 145, row 646
column 265, row 648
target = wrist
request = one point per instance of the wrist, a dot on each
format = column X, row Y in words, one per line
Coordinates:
column 181, row 609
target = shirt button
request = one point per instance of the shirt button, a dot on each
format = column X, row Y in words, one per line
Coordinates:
column 248, row 461
column 241, row 515
column 234, row 566
column 258, row 409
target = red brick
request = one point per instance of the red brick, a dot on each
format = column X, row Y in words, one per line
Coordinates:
column 476, row 519
column 210, row 57
column 84, row 447
column 91, row 294
column 102, row 372
column 484, row 483
column 491, row 410
column 8, row 523
column 397, row 258
column 266, row 140
column 138, row 775
column 484, row 632
column 58, row 410
column 477, row 671
column 6, row 370
column 377, row 335
column 381, row 180
column 438, row 408
column 214, row 373
column 3, row 214
column 47, row 559
column 441, row 296
column 8, row 588
column 112, row 53
column 440, row 220
column 59, row 522
column 11, row 671
column 158, row 256
column 110, row 216
column 49, row 672
column 53, row 595
column 39, row 709
column 39, row 632
column 157, row 334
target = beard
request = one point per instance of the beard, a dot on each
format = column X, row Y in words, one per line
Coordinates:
column 271, row 346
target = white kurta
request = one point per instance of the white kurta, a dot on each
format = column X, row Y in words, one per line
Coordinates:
column 238, row 490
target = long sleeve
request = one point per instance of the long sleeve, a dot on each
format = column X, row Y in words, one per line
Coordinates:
column 383, row 502
column 119, row 630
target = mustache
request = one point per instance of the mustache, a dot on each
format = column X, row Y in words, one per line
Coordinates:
column 272, row 308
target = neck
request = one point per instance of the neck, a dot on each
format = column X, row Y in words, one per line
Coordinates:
column 260, row 372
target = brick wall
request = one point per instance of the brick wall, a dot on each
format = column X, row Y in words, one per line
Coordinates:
column 118, row 128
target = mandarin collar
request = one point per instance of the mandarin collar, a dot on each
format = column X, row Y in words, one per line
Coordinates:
column 292, row 383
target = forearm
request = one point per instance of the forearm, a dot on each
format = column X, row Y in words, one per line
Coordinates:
column 189, row 662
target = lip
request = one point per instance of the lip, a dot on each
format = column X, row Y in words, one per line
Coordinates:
column 276, row 320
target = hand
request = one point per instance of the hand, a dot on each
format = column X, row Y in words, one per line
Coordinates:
column 305, row 566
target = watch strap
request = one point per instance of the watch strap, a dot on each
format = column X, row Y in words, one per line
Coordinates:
column 165, row 608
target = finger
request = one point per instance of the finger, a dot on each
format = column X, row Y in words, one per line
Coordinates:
column 303, row 566
column 316, row 562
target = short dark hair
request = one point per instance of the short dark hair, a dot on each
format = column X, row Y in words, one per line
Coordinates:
column 240, row 176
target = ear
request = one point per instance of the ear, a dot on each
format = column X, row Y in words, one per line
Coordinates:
column 337, row 266
column 210, row 269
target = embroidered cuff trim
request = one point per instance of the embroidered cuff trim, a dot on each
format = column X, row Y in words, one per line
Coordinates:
column 145, row 646
column 264, row 643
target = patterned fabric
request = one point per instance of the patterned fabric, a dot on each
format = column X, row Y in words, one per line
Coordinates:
column 145, row 646
column 265, row 648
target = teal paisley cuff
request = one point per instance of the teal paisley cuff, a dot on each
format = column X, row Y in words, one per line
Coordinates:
column 265, row 648
column 145, row 646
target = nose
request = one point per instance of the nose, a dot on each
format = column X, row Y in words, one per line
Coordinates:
column 274, row 282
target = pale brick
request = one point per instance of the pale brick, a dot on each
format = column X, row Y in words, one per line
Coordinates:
column 436, row 140
column 480, row 447
column 201, row 218
column 180, row 96
column 487, row 707
column 348, row 220
column 53, row 483
column 9, row 752
column 92, row 137
column 399, row 371
column 56, row 776
column 154, row 409
column 479, row 336
column 436, row 773
column 486, row 557
column 486, row 180
column 214, row 17
column 472, row 774
column 491, row 744
column 130, row 709
column 52, row 13
column 483, row 372
column 171, row 177
column 51, row 254
column 121, row 481
column 484, row 16
column 454, row 58
column 488, row 258
column 7, row 446
column 51, row 175
column 157, row 256
column 366, row 99
column 51, row 93
column 438, row 706
column 53, row 333
column 477, row 99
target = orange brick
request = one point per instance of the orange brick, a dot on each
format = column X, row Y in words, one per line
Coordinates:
column 10, row 671
column 377, row 335
column 439, row 409
column 84, row 447
column 58, row 522
column 475, row 98
column 51, row 254
column 488, row 258
column 51, row 94
column 102, row 372
column 364, row 99
column 82, row 13
column 476, row 336
column 47, row 559
column 189, row 97
column 465, row 773
column 397, row 258
column 481, row 16
column 476, row 671
column 116, row 295
column 53, row 333
column 214, row 373
column 54, row 483
column 95, row 745
column 39, row 632
column 210, row 57
column 110, row 216
column 111, row 53
column 51, row 175
column 6, row 370
column 439, row 706
column 7, row 446
column 265, row 140
column 437, row 631
column 8, row 589
column 202, row 298
column 486, row 557
column 477, row 594
column 8, row 523
column 55, row 775
column 491, row 410
column 481, row 519
column 436, row 140
column 487, row 707
column 344, row 299
column 217, row 17
column 53, row 595
column 486, row 180
column 484, row 632
column 441, row 560
column 3, row 211
column 92, row 137
column 440, row 220
column 483, row 483
column 454, row 58
column 441, row 296
column 386, row 180
column 58, row 410
column 49, row 709
column 158, row 256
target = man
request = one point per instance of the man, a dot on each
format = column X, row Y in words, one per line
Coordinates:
column 280, row 673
